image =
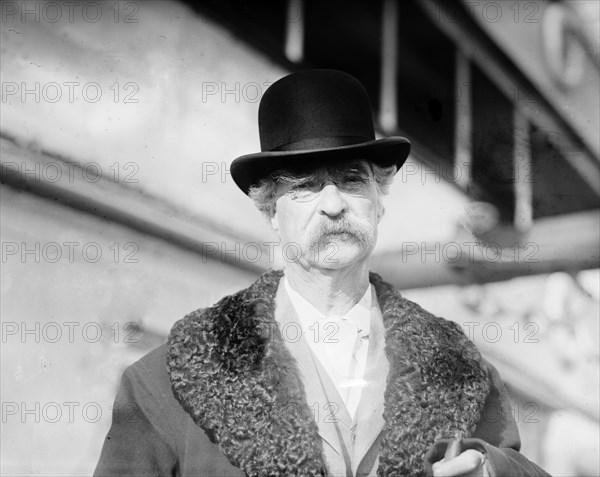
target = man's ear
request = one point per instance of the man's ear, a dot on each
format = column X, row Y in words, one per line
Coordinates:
column 274, row 220
column 380, row 212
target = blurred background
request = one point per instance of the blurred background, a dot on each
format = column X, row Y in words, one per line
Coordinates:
column 119, row 121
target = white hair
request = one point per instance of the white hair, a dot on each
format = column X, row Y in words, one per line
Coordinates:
column 264, row 194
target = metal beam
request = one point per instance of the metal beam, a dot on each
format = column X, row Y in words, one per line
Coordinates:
column 100, row 196
column 564, row 243
column 476, row 45
column 388, row 107
column 463, row 127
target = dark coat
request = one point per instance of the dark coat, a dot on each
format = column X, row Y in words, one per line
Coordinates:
column 215, row 399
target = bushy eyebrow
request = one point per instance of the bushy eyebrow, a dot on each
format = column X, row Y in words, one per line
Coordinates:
column 293, row 178
column 360, row 165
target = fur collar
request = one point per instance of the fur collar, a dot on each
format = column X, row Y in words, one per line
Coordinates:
column 230, row 370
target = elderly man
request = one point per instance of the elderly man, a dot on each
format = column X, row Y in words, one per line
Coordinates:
column 322, row 369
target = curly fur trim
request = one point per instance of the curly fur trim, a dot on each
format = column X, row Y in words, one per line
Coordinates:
column 239, row 383
column 231, row 371
column 437, row 383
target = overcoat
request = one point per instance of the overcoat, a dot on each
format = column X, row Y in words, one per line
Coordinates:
column 225, row 397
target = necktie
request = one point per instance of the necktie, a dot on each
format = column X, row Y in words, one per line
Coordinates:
column 354, row 383
column 339, row 343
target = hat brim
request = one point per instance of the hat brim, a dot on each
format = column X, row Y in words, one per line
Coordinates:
column 249, row 169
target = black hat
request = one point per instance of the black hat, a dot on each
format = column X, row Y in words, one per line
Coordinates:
column 312, row 118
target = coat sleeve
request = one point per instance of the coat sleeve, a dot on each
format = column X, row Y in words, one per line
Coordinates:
column 496, row 436
column 137, row 443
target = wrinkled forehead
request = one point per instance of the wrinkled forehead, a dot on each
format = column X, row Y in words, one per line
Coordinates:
column 358, row 165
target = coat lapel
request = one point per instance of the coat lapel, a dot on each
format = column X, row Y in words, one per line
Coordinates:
column 437, row 384
column 232, row 372
column 369, row 415
column 316, row 395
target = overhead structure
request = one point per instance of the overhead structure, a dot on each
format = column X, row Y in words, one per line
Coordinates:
column 513, row 127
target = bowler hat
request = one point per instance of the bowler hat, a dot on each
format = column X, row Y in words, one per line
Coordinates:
column 313, row 118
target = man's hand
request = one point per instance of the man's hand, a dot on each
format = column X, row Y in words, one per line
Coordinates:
column 470, row 463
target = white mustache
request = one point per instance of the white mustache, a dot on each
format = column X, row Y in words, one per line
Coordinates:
column 360, row 230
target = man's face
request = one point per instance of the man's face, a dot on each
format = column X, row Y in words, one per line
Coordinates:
column 327, row 218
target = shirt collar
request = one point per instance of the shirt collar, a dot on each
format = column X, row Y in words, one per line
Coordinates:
column 360, row 313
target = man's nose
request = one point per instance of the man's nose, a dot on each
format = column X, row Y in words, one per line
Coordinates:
column 331, row 201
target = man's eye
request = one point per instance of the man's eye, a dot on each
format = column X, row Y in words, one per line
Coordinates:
column 306, row 185
column 354, row 179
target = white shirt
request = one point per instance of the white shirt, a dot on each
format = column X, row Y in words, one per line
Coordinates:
column 332, row 340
